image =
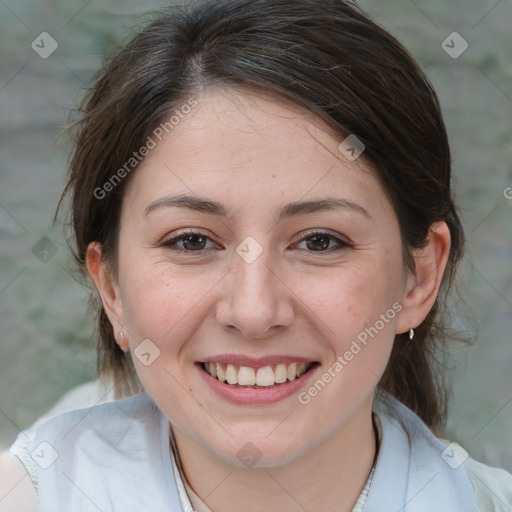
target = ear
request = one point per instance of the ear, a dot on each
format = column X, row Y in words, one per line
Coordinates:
column 422, row 286
column 109, row 292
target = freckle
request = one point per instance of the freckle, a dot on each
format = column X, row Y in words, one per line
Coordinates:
column 273, row 175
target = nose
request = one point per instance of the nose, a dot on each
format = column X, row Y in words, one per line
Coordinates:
column 256, row 300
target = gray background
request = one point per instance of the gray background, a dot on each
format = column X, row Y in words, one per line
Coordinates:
column 47, row 340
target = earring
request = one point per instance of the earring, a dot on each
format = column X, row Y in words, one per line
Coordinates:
column 411, row 334
column 123, row 345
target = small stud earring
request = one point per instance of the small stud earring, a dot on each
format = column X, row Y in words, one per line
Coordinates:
column 411, row 334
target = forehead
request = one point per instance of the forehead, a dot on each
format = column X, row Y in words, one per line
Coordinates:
column 245, row 122
column 237, row 145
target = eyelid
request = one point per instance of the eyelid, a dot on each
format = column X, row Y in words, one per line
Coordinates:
column 182, row 234
column 325, row 232
column 341, row 241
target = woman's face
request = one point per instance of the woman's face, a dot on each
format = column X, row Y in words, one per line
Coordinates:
column 247, row 290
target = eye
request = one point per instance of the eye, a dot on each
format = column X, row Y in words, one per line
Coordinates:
column 192, row 240
column 319, row 241
column 195, row 241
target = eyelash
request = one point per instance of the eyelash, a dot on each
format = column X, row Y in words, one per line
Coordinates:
column 172, row 241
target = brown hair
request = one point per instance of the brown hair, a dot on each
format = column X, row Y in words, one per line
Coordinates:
column 323, row 55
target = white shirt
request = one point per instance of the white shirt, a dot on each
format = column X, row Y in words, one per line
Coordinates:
column 115, row 457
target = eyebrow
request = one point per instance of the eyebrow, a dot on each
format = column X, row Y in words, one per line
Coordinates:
column 211, row 207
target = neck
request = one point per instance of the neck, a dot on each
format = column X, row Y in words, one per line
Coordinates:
column 328, row 478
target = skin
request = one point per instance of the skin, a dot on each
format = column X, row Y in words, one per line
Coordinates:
column 17, row 494
column 255, row 154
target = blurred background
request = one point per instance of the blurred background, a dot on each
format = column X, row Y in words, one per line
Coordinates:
column 48, row 53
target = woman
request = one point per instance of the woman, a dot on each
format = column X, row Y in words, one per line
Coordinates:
column 261, row 194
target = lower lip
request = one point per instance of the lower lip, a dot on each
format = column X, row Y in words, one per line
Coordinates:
column 254, row 396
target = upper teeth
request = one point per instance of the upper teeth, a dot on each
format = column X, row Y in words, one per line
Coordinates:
column 247, row 376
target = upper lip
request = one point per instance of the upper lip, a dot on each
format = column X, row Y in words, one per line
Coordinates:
column 255, row 362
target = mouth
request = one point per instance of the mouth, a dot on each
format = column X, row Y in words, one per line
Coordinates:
column 263, row 377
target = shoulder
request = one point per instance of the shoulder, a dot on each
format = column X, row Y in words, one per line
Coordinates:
column 17, row 492
column 91, row 428
column 54, row 440
column 109, row 416
column 493, row 486
column 440, row 474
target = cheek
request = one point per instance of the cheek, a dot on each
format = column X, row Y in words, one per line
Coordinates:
column 357, row 317
column 161, row 301
column 161, row 314
column 349, row 300
column 162, row 307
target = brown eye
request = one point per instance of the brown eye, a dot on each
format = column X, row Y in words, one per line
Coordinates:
column 320, row 241
column 191, row 241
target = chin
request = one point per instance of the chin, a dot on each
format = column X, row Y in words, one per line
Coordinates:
column 259, row 451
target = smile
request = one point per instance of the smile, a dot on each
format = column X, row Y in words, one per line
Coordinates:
column 263, row 377
column 256, row 382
